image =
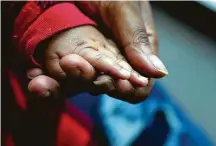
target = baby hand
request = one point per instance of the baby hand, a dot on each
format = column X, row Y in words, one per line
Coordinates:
column 83, row 52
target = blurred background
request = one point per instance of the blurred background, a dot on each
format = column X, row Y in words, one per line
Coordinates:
column 181, row 110
column 187, row 46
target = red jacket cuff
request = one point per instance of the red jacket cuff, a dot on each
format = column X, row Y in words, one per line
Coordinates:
column 55, row 19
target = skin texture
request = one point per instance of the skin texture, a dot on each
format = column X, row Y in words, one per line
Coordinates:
column 86, row 55
column 133, row 31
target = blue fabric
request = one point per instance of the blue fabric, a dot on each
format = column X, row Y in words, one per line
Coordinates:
column 158, row 121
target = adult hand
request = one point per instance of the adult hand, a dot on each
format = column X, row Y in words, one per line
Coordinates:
column 133, row 28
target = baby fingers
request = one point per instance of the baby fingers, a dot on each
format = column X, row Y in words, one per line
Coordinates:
column 105, row 64
column 76, row 66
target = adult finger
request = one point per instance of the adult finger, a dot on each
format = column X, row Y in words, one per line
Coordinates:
column 106, row 84
column 135, row 77
column 126, row 92
column 148, row 21
column 126, row 23
column 122, row 89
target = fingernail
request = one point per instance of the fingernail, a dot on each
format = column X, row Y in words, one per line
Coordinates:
column 125, row 73
column 29, row 76
column 157, row 63
column 99, row 82
column 109, row 84
column 45, row 94
column 143, row 80
column 32, row 73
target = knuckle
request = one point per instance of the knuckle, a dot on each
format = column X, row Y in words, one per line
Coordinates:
column 139, row 41
column 100, row 57
column 78, row 45
column 111, row 8
column 140, row 36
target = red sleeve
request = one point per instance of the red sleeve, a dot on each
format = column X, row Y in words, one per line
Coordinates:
column 37, row 22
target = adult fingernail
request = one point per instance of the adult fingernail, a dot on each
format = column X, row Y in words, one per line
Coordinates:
column 157, row 63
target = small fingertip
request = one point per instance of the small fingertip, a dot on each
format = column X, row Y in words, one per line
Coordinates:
column 104, row 82
column 45, row 94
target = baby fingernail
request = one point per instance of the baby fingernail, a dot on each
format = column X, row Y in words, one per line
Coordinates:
column 125, row 73
column 100, row 82
column 32, row 73
column 45, row 94
column 143, row 80
column 108, row 84
column 157, row 63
